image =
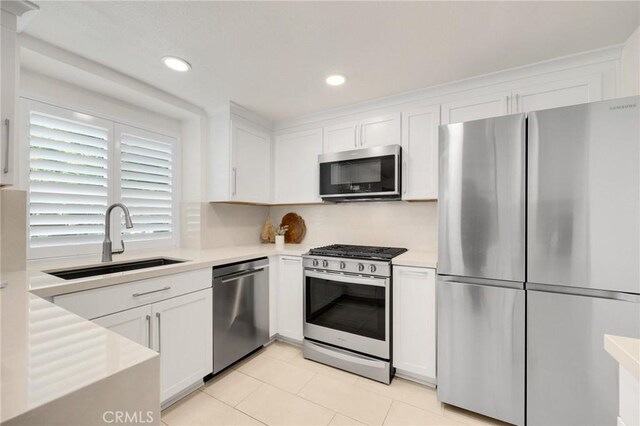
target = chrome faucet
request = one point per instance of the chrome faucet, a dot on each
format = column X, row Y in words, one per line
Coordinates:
column 107, row 252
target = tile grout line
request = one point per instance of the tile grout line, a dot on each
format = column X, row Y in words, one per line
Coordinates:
column 387, row 414
column 232, row 407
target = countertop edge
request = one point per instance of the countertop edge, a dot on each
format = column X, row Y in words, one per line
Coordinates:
column 626, row 351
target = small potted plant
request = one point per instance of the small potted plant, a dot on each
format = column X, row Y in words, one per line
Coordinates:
column 280, row 237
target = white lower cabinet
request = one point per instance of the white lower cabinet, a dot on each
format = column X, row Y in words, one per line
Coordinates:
column 173, row 316
column 290, row 297
column 414, row 322
column 134, row 324
column 184, row 338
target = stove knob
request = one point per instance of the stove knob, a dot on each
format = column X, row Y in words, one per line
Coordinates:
column 343, row 265
column 315, row 262
column 360, row 267
column 325, row 263
column 372, row 268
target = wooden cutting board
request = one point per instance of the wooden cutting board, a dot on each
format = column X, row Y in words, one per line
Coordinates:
column 297, row 229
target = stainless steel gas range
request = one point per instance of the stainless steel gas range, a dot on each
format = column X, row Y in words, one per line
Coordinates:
column 347, row 308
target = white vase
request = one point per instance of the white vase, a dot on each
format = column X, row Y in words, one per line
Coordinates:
column 279, row 242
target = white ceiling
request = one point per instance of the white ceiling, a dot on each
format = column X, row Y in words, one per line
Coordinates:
column 272, row 57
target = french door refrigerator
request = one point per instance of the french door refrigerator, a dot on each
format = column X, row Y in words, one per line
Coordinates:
column 583, row 257
column 481, row 267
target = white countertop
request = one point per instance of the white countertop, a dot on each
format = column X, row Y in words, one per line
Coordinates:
column 48, row 352
column 37, row 364
column 626, row 351
column 422, row 259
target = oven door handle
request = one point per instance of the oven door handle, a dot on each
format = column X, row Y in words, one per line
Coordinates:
column 349, row 279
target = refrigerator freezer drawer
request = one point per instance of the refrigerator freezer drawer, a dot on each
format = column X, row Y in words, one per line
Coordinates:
column 571, row 379
column 481, row 349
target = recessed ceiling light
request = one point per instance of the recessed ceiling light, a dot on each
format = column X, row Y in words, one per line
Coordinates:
column 336, row 80
column 176, row 64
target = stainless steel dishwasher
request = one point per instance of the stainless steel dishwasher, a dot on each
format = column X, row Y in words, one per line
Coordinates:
column 240, row 311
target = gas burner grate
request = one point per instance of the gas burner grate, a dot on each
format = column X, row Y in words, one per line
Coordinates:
column 358, row 252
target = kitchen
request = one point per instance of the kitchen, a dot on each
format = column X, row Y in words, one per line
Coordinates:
column 153, row 153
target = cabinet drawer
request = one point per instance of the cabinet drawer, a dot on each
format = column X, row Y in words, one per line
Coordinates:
column 106, row 300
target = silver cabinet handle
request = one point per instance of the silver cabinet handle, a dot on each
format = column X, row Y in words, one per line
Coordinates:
column 508, row 112
column 159, row 333
column 7, row 123
column 361, row 134
column 517, row 103
column 149, row 330
column 405, row 173
column 235, row 180
column 152, row 291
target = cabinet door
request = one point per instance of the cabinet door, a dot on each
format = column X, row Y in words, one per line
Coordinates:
column 341, row 137
column 476, row 108
column 134, row 324
column 8, row 102
column 250, row 176
column 296, row 167
column 184, row 338
column 290, row 297
column 414, row 321
column 420, row 153
column 379, row 131
column 558, row 94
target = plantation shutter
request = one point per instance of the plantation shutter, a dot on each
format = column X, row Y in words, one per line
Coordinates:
column 68, row 179
column 146, row 174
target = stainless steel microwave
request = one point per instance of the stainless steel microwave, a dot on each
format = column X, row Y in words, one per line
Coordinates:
column 361, row 174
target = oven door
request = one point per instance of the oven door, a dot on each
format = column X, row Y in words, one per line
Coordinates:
column 361, row 173
column 349, row 311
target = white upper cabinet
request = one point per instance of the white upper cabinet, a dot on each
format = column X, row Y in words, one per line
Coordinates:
column 380, row 130
column 414, row 322
column 341, row 137
column 295, row 167
column 476, row 108
column 420, row 153
column 557, row 94
column 8, row 75
column 238, row 166
column 377, row 130
column 250, row 171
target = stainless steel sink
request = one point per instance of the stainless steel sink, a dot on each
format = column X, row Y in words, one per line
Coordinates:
column 110, row 268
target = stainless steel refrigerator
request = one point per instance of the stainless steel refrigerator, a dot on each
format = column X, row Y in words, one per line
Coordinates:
column 581, row 169
column 481, row 267
column 583, row 257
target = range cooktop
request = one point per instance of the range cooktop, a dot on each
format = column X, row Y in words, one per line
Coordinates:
column 358, row 252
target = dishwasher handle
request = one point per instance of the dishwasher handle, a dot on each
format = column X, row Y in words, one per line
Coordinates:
column 242, row 274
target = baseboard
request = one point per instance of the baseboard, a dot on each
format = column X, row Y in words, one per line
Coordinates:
column 427, row 381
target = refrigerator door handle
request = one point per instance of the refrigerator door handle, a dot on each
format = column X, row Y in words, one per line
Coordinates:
column 603, row 294
column 481, row 281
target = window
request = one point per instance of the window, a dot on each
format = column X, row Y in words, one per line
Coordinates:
column 78, row 165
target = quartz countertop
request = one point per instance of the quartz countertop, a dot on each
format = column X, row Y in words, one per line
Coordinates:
column 38, row 364
column 422, row 259
column 48, row 352
column 626, row 351
column 45, row 285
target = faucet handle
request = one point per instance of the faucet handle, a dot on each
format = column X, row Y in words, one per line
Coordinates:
column 120, row 250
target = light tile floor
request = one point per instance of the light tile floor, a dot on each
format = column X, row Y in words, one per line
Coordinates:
column 277, row 386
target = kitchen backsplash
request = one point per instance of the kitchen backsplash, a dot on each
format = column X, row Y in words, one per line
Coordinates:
column 400, row 224
column 412, row 225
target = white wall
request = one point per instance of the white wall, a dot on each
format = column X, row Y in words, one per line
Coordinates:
column 630, row 73
column 412, row 225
